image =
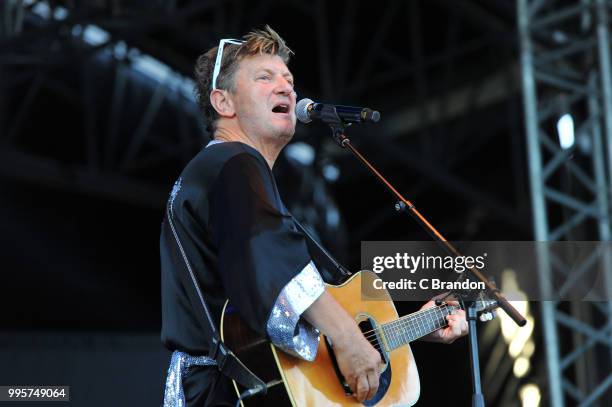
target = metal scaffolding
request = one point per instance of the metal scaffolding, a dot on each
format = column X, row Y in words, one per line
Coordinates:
column 565, row 62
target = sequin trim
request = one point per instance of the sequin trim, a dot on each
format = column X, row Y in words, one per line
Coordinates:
column 285, row 328
column 179, row 365
column 175, row 190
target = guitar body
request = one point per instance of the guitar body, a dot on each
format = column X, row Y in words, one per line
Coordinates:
column 296, row 382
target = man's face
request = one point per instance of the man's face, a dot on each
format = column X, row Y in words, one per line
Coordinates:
column 264, row 99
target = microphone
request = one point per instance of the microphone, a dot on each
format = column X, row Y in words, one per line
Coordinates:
column 306, row 110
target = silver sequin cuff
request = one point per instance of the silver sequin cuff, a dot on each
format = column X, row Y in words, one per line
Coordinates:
column 285, row 328
column 179, row 365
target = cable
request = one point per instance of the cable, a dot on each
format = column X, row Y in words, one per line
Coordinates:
column 247, row 394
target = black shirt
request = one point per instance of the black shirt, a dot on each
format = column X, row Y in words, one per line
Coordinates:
column 225, row 222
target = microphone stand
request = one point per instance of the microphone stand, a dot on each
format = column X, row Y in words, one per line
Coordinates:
column 477, row 396
column 329, row 115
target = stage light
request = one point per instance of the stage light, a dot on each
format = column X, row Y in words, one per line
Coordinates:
column 301, row 152
column 511, row 288
column 94, row 35
column 560, row 37
column 530, row 395
column 331, row 172
column 509, row 327
column 151, row 67
column 521, row 367
column 42, row 9
column 120, row 50
column 332, row 216
column 529, row 348
column 521, row 337
column 565, row 129
column 60, row 13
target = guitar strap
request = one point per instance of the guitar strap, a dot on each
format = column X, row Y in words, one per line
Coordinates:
column 340, row 273
column 227, row 363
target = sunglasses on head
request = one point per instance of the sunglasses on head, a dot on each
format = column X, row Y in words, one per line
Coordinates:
column 219, row 58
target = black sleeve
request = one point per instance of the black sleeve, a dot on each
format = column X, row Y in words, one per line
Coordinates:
column 259, row 248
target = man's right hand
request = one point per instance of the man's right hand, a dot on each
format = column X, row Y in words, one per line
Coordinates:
column 359, row 363
column 357, row 359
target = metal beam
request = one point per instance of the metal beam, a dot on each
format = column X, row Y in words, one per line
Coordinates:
column 555, row 70
column 23, row 167
column 490, row 90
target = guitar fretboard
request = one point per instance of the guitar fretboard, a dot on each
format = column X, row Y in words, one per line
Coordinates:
column 414, row 326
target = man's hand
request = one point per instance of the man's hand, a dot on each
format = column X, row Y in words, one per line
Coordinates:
column 457, row 325
column 358, row 361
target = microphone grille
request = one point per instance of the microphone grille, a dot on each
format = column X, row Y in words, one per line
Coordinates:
column 301, row 110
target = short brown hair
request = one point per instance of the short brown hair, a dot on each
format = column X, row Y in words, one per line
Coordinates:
column 257, row 42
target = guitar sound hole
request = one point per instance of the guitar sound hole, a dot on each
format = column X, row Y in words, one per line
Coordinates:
column 367, row 327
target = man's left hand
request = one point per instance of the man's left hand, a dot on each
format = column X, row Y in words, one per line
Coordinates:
column 457, row 325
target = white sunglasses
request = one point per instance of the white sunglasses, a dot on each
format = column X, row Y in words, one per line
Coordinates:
column 220, row 58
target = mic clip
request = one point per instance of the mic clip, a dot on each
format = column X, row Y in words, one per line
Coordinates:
column 329, row 116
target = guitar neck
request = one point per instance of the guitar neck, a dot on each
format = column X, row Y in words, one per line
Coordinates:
column 415, row 326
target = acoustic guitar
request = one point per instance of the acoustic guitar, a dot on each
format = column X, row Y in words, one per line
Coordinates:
column 293, row 381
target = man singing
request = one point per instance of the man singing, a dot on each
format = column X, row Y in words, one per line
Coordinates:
column 228, row 229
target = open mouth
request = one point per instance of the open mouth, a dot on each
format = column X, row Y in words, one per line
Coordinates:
column 281, row 108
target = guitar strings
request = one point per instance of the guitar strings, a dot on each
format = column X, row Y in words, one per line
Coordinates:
column 402, row 324
column 372, row 335
column 373, row 338
column 409, row 319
